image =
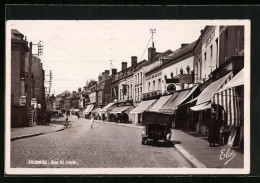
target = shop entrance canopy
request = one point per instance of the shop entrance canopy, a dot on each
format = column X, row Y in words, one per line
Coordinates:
column 158, row 105
column 143, row 106
column 88, row 109
column 237, row 80
column 174, row 101
column 208, row 93
column 107, row 108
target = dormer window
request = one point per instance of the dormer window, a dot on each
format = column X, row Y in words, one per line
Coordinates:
column 188, row 69
column 181, row 71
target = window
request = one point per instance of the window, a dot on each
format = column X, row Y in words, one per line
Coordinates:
column 149, row 86
column 153, row 85
column 216, row 53
column 141, row 77
column 181, row 71
column 172, row 75
column 205, row 56
column 138, row 78
column 188, row 69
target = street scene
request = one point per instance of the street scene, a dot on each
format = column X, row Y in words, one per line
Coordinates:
column 127, row 94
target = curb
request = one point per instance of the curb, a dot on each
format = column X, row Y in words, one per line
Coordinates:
column 192, row 160
column 34, row 135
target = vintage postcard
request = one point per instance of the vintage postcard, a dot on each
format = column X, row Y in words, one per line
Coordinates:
column 99, row 97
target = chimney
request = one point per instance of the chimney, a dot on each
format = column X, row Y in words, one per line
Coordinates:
column 134, row 61
column 106, row 74
column 183, row 45
column 124, row 66
column 151, row 54
column 114, row 71
column 99, row 77
column 103, row 75
column 79, row 90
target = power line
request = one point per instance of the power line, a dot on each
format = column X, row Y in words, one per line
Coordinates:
column 146, row 47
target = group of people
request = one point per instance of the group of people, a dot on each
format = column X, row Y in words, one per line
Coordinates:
column 215, row 133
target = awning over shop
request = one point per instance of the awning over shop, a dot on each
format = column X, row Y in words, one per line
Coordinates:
column 203, row 106
column 158, row 105
column 208, row 93
column 189, row 94
column 174, row 101
column 88, row 109
column 107, row 108
column 96, row 110
column 124, row 109
column 114, row 111
column 143, row 106
column 237, row 80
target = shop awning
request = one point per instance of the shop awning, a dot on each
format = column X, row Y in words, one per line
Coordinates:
column 142, row 106
column 76, row 110
column 189, row 94
column 124, row 109
column 158, row 105
column 114, row 111
column 174, row 101
column 203, row 106
column 208, row 93
column 237, row 80
column 96, row 110
column 88, row 109
column 108, row 107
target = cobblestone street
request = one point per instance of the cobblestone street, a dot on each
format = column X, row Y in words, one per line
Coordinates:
column 105, row 145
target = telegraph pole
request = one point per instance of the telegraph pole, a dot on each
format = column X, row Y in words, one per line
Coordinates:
column 152, row 31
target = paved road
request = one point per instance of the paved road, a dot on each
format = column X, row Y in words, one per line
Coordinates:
column 104, row 146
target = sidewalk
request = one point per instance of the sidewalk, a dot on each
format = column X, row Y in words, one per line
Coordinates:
column 25, row 132
column 196, row 145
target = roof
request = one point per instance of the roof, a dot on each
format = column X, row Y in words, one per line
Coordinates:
column 172, row 56
column 163, row 54
column 180, row 52
column 16, row 32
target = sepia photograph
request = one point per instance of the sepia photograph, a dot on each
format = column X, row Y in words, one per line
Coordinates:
column 127, row 97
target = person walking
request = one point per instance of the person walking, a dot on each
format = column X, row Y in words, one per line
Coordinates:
column 213, row 127
column 92, row 120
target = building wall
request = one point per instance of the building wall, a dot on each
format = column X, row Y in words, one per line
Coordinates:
column 175, row 70
column 210, row 52
column 93, row 97
column 138, row 83
column 17, row 67
column 129, row 89
column 153, row 82
column 231, row 41
column 39, row 80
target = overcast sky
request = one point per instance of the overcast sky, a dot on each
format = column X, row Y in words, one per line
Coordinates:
column 76, row 51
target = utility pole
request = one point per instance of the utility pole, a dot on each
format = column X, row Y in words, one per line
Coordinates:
column 152, row 31
column 49, row 82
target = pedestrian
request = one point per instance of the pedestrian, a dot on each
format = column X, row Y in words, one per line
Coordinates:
column 213, row 127
column 92, row 120
column 103, row 117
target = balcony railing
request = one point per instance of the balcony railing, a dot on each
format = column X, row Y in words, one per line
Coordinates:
column 153, row 94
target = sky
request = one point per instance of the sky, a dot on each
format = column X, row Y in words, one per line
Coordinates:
column 77, row 51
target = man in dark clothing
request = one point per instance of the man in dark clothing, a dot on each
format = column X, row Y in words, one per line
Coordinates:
column 213, row 127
